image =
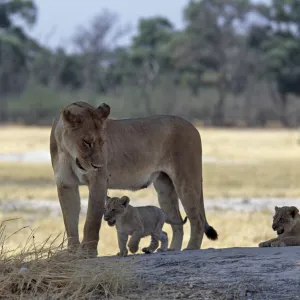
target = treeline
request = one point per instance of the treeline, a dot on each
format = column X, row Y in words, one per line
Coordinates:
column 235, row 63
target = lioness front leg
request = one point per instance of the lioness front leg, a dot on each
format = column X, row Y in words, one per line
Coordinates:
column 134, row 241
column 286, row 241
column 122, row 241
column 96, row 204
column 267, row 243
column 69, row 199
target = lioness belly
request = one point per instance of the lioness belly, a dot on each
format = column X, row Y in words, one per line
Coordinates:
column 131, row 181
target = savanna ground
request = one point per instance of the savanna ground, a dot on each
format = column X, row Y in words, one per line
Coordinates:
column 237, row 163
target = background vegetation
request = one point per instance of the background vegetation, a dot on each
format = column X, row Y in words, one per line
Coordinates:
column 235, row 63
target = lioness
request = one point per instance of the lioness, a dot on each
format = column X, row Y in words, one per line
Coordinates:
column 138, row 222
column 87, row 148
column 286, row 222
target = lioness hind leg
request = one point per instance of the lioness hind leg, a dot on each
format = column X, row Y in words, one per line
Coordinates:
column 164, row 242
column 191, row 198
column 168, row 201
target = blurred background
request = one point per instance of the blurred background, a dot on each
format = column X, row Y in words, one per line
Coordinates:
column 232, row 67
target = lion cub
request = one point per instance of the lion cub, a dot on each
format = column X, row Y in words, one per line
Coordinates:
column 286, row 222
column 137, row 222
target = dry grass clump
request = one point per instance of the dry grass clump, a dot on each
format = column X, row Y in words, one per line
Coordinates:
column 37, row 271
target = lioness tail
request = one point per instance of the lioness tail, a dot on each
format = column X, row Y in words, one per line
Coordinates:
column 210, row 232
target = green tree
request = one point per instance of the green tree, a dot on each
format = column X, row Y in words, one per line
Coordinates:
column 15, row 48
column 209, row 47
column 278, row 41
column 150, row 56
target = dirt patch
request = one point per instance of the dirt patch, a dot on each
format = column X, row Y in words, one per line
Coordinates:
column 232, row 273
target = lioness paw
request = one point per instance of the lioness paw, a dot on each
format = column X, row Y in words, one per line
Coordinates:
column 123, row 253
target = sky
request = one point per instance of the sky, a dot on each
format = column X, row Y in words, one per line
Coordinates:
column 58, row 20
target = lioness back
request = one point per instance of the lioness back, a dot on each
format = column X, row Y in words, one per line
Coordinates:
column 147, row 146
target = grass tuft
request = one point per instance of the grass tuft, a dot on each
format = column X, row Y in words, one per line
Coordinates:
column 47, row 271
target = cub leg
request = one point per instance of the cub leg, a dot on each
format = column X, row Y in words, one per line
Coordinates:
column 286, row 241
column 153, row 244
column 164, row 242
column 267, row 243
column 122, row 240
column 134, row 241
column 155, row 237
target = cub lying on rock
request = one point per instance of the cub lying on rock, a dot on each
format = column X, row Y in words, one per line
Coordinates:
column 137, row 222
column 286, row 222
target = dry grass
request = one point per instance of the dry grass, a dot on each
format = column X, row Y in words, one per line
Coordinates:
column 41, row 271
column 253, row 228
column 278, row 178
column 16, row 139
column 265, row 163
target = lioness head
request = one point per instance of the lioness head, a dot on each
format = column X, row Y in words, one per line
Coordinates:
column 285, row 219
column 114, row 208
column 84, row 135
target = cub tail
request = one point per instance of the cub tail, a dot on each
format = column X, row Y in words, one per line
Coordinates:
column 171, row 222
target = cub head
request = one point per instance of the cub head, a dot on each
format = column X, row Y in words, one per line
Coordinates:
column 285, row 219
column 115, row 208
column 84, row 134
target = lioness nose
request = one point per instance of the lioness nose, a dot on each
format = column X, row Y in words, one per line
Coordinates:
column 274, row 227
column 96, row 166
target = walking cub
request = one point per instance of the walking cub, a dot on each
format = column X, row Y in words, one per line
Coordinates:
column 138, row 222
column 286, row 222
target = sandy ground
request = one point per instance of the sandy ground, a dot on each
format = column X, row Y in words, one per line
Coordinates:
column 43, row 156
column 232, row 273
column 52, row 207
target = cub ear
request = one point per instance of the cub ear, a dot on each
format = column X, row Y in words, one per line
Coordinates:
column 293, row 211
column 107, row 198
column 71, row 119
column 276, row 208
column 104, row 111
column 125, row 201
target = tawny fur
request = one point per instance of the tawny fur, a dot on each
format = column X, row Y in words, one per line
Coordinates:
column 89, row 149
column 137, row 222
column 286, row 222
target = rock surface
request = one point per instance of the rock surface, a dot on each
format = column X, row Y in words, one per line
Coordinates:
column 232, row 273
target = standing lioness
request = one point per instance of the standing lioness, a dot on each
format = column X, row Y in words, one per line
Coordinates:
column 89, row 149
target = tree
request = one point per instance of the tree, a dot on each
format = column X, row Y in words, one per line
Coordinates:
column 211, row 45
column 15, row 48
column 150, row 55
column 95, row 44
column 278, row 40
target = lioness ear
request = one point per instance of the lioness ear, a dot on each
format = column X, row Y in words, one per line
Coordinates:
column 293, row 211
column 125, row 201
column 276, row 208
column 104, row 110
column 71, row 119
